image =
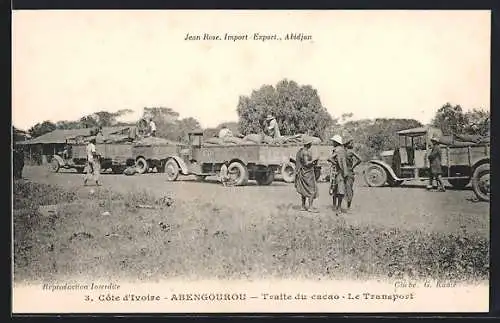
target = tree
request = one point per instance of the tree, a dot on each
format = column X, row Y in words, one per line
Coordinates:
column 297, row 109
column 478, row 122
column 41, row 128
column 372, row 136
column 168, row 124
column 450, row 119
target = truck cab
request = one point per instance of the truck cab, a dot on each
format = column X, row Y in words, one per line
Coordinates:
column 461, row 161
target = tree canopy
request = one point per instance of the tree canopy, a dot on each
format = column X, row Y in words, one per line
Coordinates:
column 297, row 108
column 451, row 119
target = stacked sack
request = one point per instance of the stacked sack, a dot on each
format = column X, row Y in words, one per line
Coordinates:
column 259, row 139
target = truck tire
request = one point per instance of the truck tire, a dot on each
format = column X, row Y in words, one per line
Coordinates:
column 142, row 165
column 288, row 172
column 459, row 182
column 264, row 178
column 238, row 174
column 375, row 175
column 171, row 170
column 54, row 165
column 481, row 182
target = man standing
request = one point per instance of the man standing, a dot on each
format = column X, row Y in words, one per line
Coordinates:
column 224, row 173
column 338, row 173
column 152, row 127
column 93, row 163
column 18, row 156
column 305, row 179
column 352, row 160
column 435, row 165
column 272, row 127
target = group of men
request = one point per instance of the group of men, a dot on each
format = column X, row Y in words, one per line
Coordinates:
column 343, row 161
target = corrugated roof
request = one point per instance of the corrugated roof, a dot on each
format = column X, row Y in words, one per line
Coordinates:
column 59, row 136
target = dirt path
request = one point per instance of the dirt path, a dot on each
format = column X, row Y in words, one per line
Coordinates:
column 406, row 207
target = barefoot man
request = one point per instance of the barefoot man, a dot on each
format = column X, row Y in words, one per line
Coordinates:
column 338, row 174
column 305, row 180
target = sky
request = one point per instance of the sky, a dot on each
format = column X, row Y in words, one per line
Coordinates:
column 387, row 64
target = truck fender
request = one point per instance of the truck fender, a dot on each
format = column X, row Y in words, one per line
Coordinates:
column 59, row 160
column 385, row 166
column 182, row 164
column 485, row 160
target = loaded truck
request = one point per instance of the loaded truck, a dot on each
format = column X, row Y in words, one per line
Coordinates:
column 462, row 162
column 259, row 162
column 114, row 156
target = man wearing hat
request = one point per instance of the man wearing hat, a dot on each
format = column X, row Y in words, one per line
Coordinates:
column 338, row 173
column 352, row 160
column 272, row 127
column 435, row 165
column 305, row 179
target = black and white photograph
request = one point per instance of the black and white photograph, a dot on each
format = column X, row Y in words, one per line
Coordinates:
column 176, row 161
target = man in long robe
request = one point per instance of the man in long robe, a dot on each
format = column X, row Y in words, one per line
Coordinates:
column 352, row 160
column 435, row 165
column 305, row 179
column 338, row 173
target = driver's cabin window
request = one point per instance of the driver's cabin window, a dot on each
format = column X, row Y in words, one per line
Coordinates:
column 196, row 140
column 419, row 143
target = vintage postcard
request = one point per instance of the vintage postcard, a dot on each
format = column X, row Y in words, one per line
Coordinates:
column 250, row 161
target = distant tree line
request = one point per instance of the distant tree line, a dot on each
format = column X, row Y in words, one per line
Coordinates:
column 298, row 109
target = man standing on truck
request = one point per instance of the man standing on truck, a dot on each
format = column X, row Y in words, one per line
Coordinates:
column 352, row 160
column 272, row 127
column 435, row 165
column 339, row 172
column 305, row 179
column 152, row 127
column 93, row 164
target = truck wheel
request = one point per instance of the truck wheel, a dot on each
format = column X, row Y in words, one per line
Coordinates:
column 481, row 182
column 142, row 165
column 264, row 178
column 238, row 174
column 54, row 165
column 375, row 175
column 459, row 182
column 171, row 170
column 288, row 172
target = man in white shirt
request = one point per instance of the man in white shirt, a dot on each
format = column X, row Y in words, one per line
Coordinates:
column 152, row 127
column 225, row 132
column 273, row 128
column 93, row 164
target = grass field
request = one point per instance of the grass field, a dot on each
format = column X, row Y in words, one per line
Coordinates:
column 204, row 236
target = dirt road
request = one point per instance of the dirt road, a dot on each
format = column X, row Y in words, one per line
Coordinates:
column 408, row 207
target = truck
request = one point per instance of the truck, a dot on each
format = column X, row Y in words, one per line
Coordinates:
column 114, row 156
column 259, row 162
column 462, row 163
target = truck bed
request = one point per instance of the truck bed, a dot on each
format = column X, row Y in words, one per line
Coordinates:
column 257, row 154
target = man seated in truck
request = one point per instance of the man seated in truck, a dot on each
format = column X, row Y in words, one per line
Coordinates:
column 225, row 132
